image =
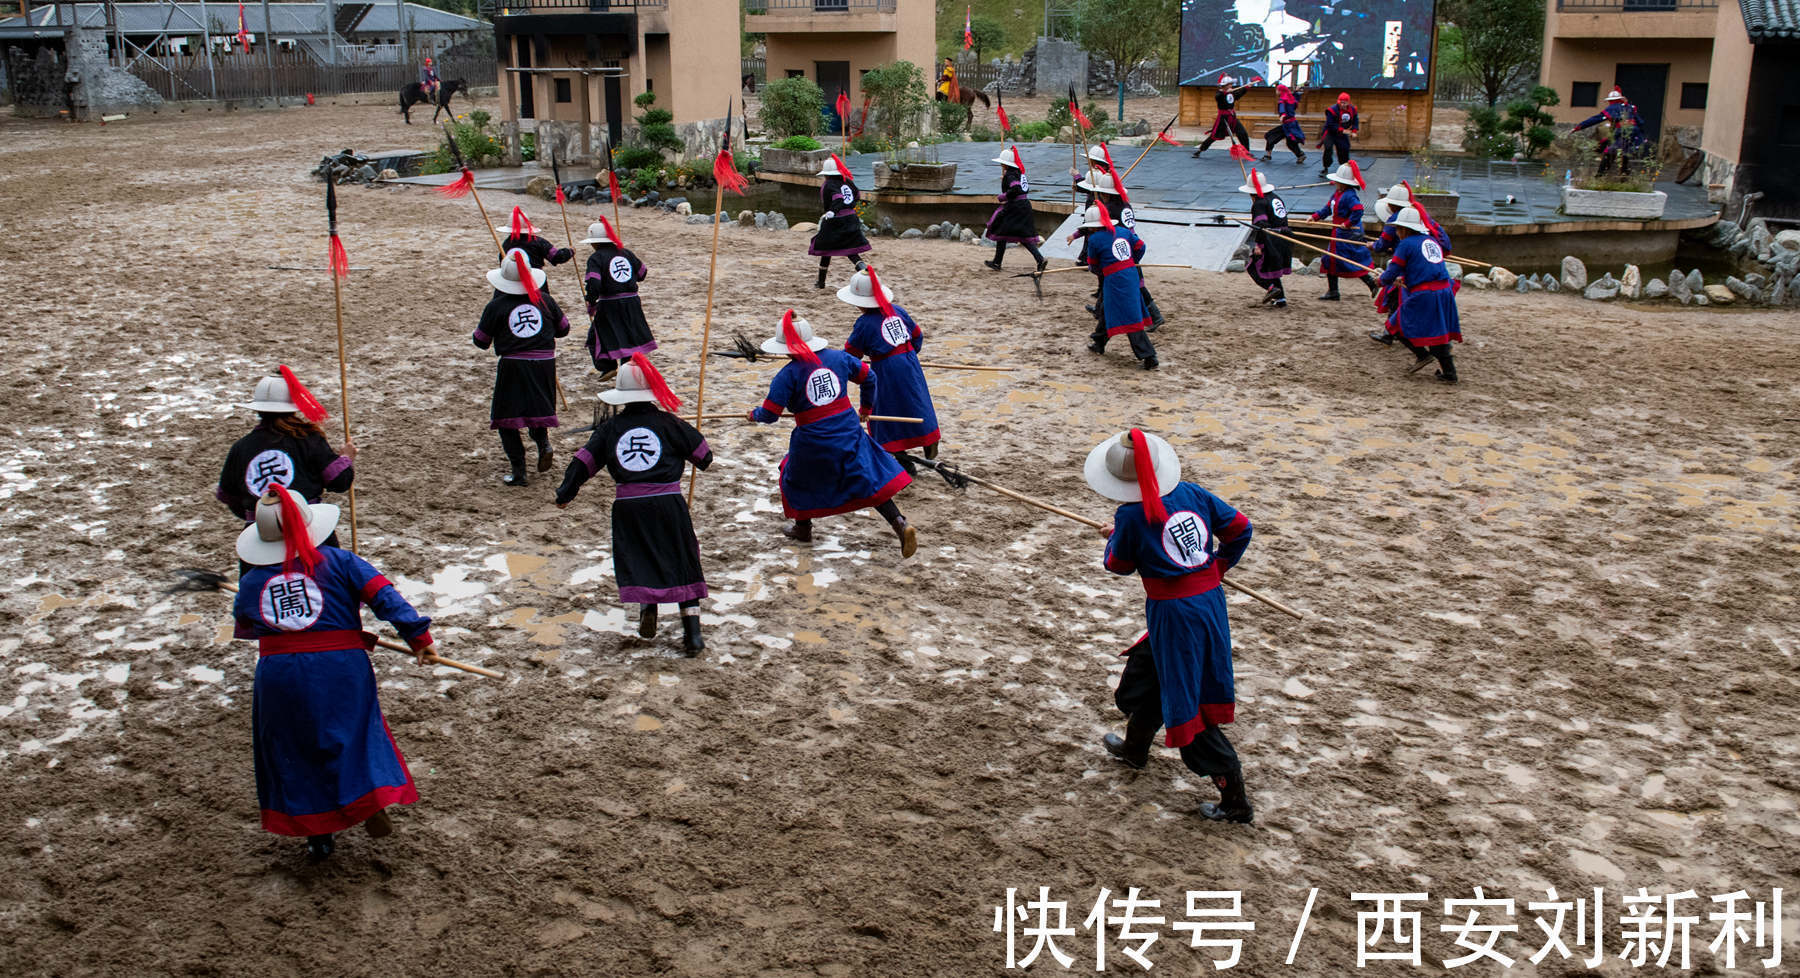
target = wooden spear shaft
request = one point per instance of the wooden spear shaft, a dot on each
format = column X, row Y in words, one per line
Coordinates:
column 1314, row 247
column 712, row 279
column 1147, row 148
column 436, row 660
column 1096, row 524
column 337, row 302
column 873, row 417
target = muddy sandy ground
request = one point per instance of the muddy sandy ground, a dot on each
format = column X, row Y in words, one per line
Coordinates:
column 1552, row 641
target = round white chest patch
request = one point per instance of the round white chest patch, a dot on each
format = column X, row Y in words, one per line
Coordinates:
column 1185, row 539
column 1429, row 248
column 525, row 321
column 291, row 602
column 893, row 329
column 846, row 195
column 269, row 468
column 822, row 387
column 638, row 449
column 1121, row 249
column 619, row 268
column 1024, row 184
column 1278, row 207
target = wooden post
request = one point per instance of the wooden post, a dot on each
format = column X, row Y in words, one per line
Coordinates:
column 712, row 278
column 587, row 133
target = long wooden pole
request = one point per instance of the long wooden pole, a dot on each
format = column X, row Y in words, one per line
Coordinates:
column 1096, row 524
column 712, row 279
column 580, row 283
column 337, row 302
column 436, row 660
column 612, row 167
column 1314, row 247
column 873, row 417
column 1455, row 258
column 1148, row 147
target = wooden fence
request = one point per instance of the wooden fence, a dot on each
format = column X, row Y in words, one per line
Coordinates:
column 233, row 77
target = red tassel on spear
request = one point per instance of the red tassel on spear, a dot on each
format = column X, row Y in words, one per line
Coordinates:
column 724, row 167
column 1075, row 109
column 1000, row 110
column 1163, row 137
column 309, row 406
column 340, row 262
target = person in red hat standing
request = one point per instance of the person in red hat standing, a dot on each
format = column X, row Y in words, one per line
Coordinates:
column 1340, row 126
column 1225, row 124
column 1180, row 540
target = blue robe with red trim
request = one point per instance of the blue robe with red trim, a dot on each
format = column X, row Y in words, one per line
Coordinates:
column 899, row 389
column 325, row 760
column 1181, row 563
column 1388, row 300
column 1345, row 210
column 1113, row 257
column 1427, row 310
column 832, row 465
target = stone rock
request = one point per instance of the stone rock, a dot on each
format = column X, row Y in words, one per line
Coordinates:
column 952, row 231
column 1779, row 295
column 1311, row 266
column 1551, row 284
column 1604, row 290
column 965, row 138
column 1455, row 270
column 1700, row 299
column 1694, row 282
column 1521, row 285
column 762, row 219
column 1047, row 139
column 746, row 219
column 805, row 227
column 1656, row 288
column 778, row 221
column 1760, row 238
column 1297, row 265
column 699, row 219
column 1537, row 283
column 1718, row 294
column 912, row 233
column 1501, row 278
column 1138, row 128
column 1574, row 274
column 393, row 174
column 887, row 224
column 930, row 231
column 1740, row 288
column 1724, row 233
column 1476, row 281
column 366, row 173
column 1235, row 265
column 969, row 235
column 1756, row 279
column 1678, row 286
column 541, row 187
column 1788, row 240
column 1631, row 284
column 683, row 210
column 1067, row 134
column 656, row 195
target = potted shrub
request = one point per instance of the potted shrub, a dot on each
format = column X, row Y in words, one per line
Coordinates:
column 790, row 115
column 795, row 154
column 1628, row 196
column 1427, row 185
column 899, row 106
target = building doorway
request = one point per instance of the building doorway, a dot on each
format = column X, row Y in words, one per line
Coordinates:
column 833, row 77
column 527, row 107
column 614, row 111
column 1645, row 86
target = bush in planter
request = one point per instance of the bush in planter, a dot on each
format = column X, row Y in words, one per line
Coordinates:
column 898, row 100
column 1525, row 130
column 952, row 116
column 865, row 143
column 801, row 144
column 792, row 107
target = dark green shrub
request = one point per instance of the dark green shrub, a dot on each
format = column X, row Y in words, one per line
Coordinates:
column 792, row 107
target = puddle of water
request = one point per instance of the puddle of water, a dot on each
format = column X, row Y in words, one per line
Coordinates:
column 646, row 723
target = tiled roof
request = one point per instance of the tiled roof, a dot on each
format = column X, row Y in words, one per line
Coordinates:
column 1772, row 20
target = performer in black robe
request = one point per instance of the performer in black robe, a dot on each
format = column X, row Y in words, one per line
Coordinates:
column 1012, row 221
column 840, row 227
column 521, row 324
column 617, row 328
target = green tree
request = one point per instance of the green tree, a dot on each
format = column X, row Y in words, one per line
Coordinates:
column 1502, row 41
column 988, row 33
column 791, row 107
column 897, row 99
column 1127, row 32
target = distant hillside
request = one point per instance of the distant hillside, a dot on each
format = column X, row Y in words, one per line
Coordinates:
column 1022, row 21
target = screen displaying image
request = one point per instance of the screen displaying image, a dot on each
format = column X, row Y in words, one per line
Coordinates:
column 1334, row 44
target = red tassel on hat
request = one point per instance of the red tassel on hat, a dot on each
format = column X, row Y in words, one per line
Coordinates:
column 1118, row 181
column 611, row 235
column 1148, row 491
column 309, row 406
column 521, row 225
column 842, row 169
column 881, row 299
column 1356, row 171
column 658, row 386
column 1105, row 218
column 797, row 347
column 531, row 289
column 461, row 187
column 1019, row 164
column 296, row 540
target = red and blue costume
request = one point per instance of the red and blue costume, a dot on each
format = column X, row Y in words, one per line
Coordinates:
column 1341, row 122
column 1181, row 564
column 832, row 465
column 1288, row 129
column 1427, row 311
column 325, row 760
column 1393, row 294
column 892, row 345
column 1112, row 253
column 1622, row 138
column 1345, row 211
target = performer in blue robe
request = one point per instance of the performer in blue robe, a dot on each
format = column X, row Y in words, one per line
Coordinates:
column 1341, row 123
column 1623, row 137
column 1345, row 211
column 1428, row 318
column 891, row 341
column 325, row 760
column 832, row 465
column 1179, row 675
column 1387, row 301
column 1111, row 253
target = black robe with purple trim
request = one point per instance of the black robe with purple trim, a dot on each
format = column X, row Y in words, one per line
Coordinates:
column 264, row 457
column 841, row 230
column 618, row 327
column 656, row 558
column 523, row 336
column 1012, row 221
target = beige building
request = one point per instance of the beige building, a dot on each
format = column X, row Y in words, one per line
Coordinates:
column 574, row 66
column 833, row 42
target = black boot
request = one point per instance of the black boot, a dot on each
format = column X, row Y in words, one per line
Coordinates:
column 1331, row 292
column 821, row 282
column 320, row 847
column 691, row 641
column 1267, row 156
column 1156, row 316
column 1151, row 363
column 1446, row 365
column 378, row 825
column 1383, row 337
column 1369, row 280
column 647, row 621
column 1134, row 747
column 1299, row 158
column 1234, row 802
column 909, row 537
column 992, row 263
column 799, row 530
column 517, row 478
column 931, row 450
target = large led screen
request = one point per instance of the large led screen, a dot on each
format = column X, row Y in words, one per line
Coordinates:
column 1347, row 44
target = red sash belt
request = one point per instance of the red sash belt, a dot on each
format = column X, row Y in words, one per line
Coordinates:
column 811, row 415
column 1437, row 286
column 896, row 351
column 1185, row 586
column 322, row 641
column 1117, row 266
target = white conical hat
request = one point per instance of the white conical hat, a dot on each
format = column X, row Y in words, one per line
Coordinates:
column 1096, row 153
column 629, row 386
column 506, row 277
column 272, row 397
column 1344, row 175
column 830, row 169
column 1010, row 157
column 1615, row 95
column 1091, row 219
column 1409, row 218
column 261, row 541
column 599, row 233
column 1391, row 204
column 777, row 344
column 861, row 293
column 1100, row 183
column 1111, row 468
column 1257, row 185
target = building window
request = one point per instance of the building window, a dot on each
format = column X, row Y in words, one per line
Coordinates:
column 1693, row 95
column 563, row 93
column 796, row 73
column 1584, row 94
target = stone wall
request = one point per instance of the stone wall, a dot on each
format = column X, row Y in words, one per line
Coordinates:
column 36, row 78
column 1059, row 64
column 41, row 81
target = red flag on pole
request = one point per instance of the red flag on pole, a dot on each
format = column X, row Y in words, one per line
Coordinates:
column 1238, row 152
column 843, row 106
column 968, row 30
column 1000, row 110
column 243, row 34
column 1164, row 137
